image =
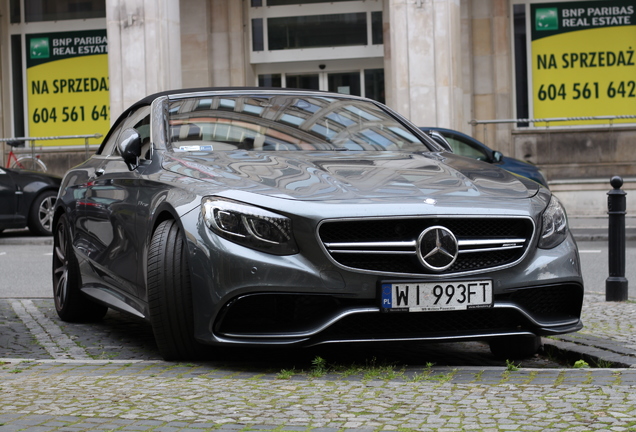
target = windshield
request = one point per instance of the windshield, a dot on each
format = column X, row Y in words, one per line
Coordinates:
column 286, row 123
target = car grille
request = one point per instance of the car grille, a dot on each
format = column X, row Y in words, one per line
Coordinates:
column 391, row 245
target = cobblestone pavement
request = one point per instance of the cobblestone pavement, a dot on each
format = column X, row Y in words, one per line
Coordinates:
column 49, row 396
column 107, row 376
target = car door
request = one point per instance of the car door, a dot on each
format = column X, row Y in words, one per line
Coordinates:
column 108, row 217
column 8, row 200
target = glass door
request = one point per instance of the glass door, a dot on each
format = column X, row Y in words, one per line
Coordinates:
column 303, row 81
column 368, row 82
column 344, row 82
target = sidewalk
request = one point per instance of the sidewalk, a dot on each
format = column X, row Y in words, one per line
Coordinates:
column 226, row 396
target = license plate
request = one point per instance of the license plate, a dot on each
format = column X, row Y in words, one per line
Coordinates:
column 436, row 296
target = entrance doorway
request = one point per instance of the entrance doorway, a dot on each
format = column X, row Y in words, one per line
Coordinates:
column 363, row 82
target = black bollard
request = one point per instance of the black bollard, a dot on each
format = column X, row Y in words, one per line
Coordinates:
column 616, row 284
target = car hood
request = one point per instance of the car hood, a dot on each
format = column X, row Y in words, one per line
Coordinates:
column 350, row 175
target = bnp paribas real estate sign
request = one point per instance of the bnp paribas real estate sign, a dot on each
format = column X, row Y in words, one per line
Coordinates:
column 584, row 59
column 67, row 85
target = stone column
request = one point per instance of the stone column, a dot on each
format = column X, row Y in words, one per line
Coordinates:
column 195, row 42
column 423, row 61
column 227, row 45
column 492, row 71
column 144, row 50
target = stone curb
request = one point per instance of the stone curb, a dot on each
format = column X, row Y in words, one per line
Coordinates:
column 593, row 355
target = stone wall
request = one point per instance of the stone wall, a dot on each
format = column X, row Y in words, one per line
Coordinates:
column 597, row 153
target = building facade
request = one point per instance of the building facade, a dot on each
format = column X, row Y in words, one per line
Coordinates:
column 71, row 67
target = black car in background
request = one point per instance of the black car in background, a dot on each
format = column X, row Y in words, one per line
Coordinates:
column 468, row 146
column 27, row 199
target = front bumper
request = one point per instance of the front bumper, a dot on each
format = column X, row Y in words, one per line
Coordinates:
column 247, row 297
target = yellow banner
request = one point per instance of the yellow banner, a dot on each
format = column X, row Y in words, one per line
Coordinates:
column 583, row 71
column 68, row 88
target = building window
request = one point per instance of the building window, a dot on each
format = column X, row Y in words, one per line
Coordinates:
column 345, row 83
column 304, row 81
column 18, row 101
column 298, row 2
column 270, row 80
column 311, row 31
column 43, row 10
column 14, row 11
column 376, row 28
column 374, row 84
column 258, row 43
column 317, row 31
column 521, row 63
column 366, row 82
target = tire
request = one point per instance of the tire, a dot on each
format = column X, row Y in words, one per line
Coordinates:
column 70, row 304
column 170, row 295
column 515, row 347
column 40, row 220
column 29, row 163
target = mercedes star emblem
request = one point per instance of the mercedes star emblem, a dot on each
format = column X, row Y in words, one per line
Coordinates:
column 437, row 248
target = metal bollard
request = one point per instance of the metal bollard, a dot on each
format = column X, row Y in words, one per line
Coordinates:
column 616, row 283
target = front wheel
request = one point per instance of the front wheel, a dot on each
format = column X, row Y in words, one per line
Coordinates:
column 515, row 347
column 170, row 294
column 70, row 304
column 41, row 213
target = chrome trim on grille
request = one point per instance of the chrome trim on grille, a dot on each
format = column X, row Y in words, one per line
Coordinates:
column 393, row 247
column 409, row 248
column 371, row 244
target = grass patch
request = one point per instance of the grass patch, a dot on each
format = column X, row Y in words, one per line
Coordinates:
column 511, row 367
column 372, row 369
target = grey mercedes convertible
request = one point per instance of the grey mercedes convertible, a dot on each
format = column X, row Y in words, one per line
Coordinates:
column 256, row 217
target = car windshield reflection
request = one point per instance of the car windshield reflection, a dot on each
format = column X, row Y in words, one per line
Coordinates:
column 285, row 123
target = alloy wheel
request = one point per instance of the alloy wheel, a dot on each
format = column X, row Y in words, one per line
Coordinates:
column 45, row 213
column 60, row 266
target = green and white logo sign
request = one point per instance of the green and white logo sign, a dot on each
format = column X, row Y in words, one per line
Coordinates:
column 546, row 19
column 39, row 48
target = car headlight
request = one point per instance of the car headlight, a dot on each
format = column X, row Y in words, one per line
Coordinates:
column 249, row 226
column 554, row 226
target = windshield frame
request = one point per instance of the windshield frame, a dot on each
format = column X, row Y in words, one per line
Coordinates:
column 344, row 107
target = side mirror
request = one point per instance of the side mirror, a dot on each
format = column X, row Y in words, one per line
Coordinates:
column 129, row 146
column 497, row 156
column 439, row 139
